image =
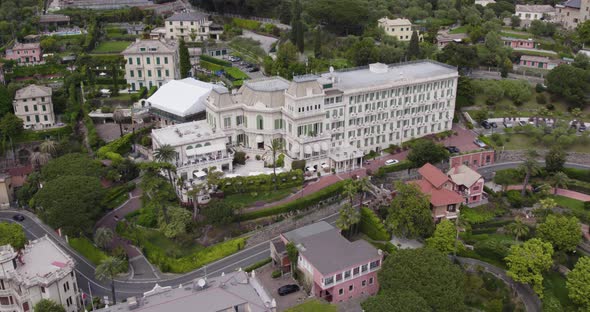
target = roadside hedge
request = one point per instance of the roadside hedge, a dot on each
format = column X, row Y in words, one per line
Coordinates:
column 119, row 146
column 211, row 66
column 577, row 174
column 298, row 204
column 372, row 226
column 215, row 60
column 257, row 265
column 402, row 165
column 261, row 183
column 579, row 186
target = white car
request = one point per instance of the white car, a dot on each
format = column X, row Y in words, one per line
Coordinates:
column 479, row 143
column 391, row 162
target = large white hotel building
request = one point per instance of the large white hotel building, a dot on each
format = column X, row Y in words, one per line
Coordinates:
column 333, row 119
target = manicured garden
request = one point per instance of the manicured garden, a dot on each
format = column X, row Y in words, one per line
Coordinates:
column 259, row 198
column 110, row 47
column 313, row 305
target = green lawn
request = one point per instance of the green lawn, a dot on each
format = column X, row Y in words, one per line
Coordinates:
column 248, row 199
column 168, row 246
column 520, row 141
column 504, row 107
column 566, row 202
column 459, row 30
column 85, row 247
column 313, row 305
column 111, row 47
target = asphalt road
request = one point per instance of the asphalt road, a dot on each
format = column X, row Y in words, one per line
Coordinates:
column 34, row 228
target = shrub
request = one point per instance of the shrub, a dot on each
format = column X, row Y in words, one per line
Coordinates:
column 119, row 146
column 372, row 226
column 298, row 164
column 402, row 165
column 246, row 24
column 257, row 265
column 146, row 141
column 298, row 204
column 280, row 160
column 263, row 182
column 215, row 60
column 515, row 198
column 577, row 174
column 86, row 248
column 587, row 205
column 541, row 98
column 239, row 158
column 276, row 274
column 539, row 88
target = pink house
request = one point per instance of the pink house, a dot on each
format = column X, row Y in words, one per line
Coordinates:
column 542, row 62
column 467, row 182
column 473, row 160
column 334, row 268
column 518, row 43
column 25, row 53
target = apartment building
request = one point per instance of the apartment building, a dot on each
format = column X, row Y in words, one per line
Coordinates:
column 151, row 62
column 41, row 270
column 531, row 12
column 233, row 292
column 334, row 119
column 572, row 12
column 25, row 53
column 400, row 28
column 34, row 106
column 336, row 269
column 192, row 27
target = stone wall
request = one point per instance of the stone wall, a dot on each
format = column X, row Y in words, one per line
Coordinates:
column 519, row 155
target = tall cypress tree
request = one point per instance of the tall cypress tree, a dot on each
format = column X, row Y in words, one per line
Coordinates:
column 185, row 60
column 414, row 47
column 317, row 42
column 297, row 26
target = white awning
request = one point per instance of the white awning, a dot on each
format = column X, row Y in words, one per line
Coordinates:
column 199, row 174
column 325, row 166
column 307, row 149
column 259, row 139
column 310, row 168
column 325, row 146
column 205, row 149
column 316, row 148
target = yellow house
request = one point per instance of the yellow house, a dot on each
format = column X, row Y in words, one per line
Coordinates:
column 400, row 28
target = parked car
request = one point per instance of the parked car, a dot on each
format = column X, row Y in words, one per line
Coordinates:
column 479, row 143
column 288, row 289
column 391, row 162
column 494, row 124
column 582, row 127
column 453, row 149
column 508, row 124
column 522, row 123
column 234, row 59
column 486, row 124
column 18, row 217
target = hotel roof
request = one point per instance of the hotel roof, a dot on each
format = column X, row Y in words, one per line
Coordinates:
column 187, row 16
column 534, row 8
column 32, row 91
column 377, row 75
column 186, row 133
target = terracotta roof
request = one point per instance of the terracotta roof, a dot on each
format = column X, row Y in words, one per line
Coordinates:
column 463, row 175
column 433, row 175
column 438, row 197
column 20, row 171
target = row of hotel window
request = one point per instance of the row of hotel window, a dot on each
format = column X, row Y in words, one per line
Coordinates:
column 410, row 133
column 149, row 73
column 37, row 119
column 150, row 85
column 35, row 108
column 377, row 105
column 351, row 273
column 383, row 127
column 351, row 287
column 147, row 60
column 192, row 22
column 425, row 87
column 374, row 118
column 202, row 30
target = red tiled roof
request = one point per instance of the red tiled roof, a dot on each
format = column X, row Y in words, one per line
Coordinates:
column 438, row 197
column 20, row 171
column 433, row 175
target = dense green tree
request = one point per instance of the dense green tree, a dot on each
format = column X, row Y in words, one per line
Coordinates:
column 363, row 52
column 71, row 203
column 570, row 82
column 10, row 125
column 542, row 28
column 414, row 46
column 443, row 239
column 71, row 164
column 348, row 217
column 219, row 212
column 292, row 254
column 425, row 272
column 578, row 283
column 185, row 60
column 559, row 180
column 527, row 262
column 103, row 237
column 157, row 188
column 514, row 21
column 342, row 17
column 517, row 228
column 426, row 151
column 562, row 232
column 5, row 101
column 350, row 190
column 409, row 214
column 519, row 91
column 317, row 42
column 12, row 234
column 555, row 159
column 46, row 305
column 297, row 31
column 177, row 223
column 108, row 269
column 398, row 301
column 583, row 32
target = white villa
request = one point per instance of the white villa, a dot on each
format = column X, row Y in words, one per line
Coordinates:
column 400, row 28
column 192, row 27
column 334, row 119
column 151, row 62
column 41, row 270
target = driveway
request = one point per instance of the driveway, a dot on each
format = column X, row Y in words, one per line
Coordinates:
column 272, row 285
column 265, row 41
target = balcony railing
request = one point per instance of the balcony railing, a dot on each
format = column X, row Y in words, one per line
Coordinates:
column 204, row 161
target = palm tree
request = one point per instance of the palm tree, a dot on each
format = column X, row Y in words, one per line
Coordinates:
column 531, row 167
column 166, row 153
column 276, row 147
column 49, row 147
column 517, row 228
column 348, row 217
column 560, row 180
column 213, row 177
column 350, row 190
column 109, row 268
column 103, row 237
column 39, row 159
column 194, row 193
column 119, row 117
column 363, row 185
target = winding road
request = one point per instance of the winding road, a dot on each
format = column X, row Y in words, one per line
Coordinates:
column 34, row 228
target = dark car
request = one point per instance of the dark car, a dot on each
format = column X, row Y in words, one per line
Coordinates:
column 288, row 289
column 582, row 127
column 494, row 125
column 18, row 217
column 486, row 124
column 453, row 149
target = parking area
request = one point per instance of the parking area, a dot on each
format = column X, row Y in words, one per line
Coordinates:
column 272, row 284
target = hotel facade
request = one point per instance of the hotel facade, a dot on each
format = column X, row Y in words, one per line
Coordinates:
column 333, row 119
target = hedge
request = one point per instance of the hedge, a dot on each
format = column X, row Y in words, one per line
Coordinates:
column 372, row 226
column 402, row 165
column 246, row 24
column 119, row 146
column 235, row 73
column 211, row 66
column 577, row 174
column 257, row 265
column 579, row 186
column 261, row 183
column 87, row 249
column 215, row 60
column 298, row 204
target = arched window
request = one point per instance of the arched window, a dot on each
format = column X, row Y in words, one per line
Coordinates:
column 207, row 144
column 189, row 147
column 198, row 145
column 259, row 123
